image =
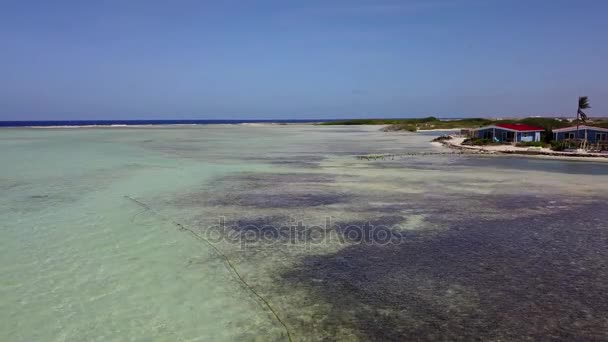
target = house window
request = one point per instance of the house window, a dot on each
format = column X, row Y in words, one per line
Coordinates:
column 569, row 135
column 601, row 136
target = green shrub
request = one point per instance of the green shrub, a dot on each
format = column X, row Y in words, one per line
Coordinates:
column 558, row 145
column 410, row 128
column 481, row 141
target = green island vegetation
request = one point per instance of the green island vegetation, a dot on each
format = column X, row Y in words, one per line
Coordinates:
column 415, row 124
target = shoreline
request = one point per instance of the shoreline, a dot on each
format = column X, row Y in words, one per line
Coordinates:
column 456, row 143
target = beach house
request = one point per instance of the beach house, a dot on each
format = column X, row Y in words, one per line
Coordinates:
column 512, row 133
column 588, row 133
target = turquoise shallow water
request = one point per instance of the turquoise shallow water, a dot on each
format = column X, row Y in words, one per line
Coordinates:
column 77, row 266
column 79, row 261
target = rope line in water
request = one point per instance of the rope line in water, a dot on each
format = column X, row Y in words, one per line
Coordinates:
column 414, row 154
column 227, row 261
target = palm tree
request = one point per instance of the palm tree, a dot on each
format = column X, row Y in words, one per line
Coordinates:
column 583, row 103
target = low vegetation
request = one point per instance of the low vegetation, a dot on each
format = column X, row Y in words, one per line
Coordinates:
column 558, row 145
column 401, row 127
column 412, row 125
column 381, row 121
column 532, row 144
column 599, row 123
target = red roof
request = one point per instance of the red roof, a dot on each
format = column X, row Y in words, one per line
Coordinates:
column 520, row 127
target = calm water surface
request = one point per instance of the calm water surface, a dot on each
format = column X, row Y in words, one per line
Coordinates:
column 104, row 237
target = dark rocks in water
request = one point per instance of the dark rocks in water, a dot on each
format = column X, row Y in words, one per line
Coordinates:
column 467, row 142
column 267, row 191
column 492, row 279
column 285, row 199
column 443, row 138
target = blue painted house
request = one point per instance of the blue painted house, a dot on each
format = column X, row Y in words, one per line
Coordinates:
column 588, row 133
column 509, row 133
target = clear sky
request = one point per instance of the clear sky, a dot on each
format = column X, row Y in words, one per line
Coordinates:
column 152, row 59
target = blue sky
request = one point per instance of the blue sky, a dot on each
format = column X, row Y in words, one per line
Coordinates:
column 132, row 59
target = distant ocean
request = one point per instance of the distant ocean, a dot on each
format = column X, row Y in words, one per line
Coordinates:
column 52, row 123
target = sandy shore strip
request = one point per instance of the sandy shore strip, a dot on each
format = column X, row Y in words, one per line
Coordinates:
column 456, row 143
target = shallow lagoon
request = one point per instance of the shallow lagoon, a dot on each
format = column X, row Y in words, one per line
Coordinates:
column 422, row 245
